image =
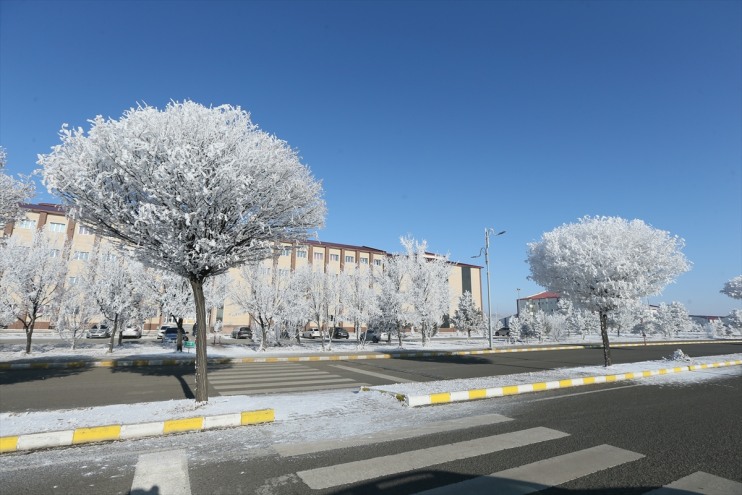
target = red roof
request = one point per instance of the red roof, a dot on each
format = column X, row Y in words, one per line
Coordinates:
column 545, row 295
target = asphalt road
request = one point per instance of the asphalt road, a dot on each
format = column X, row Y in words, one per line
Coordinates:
column 624, row 438
column 31, row 390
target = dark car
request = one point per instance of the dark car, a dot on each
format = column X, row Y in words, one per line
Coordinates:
column 242, row 333
column 503, row 332
column 171, row 335
column 339, row 333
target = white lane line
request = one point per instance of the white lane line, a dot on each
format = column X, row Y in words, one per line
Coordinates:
column 353, row 472
column 372, row 373
column 539, row 475
column 702, row 483
column 269, row 390
column 164, row 473
column 313, row 381
column 287, row 450
column 249, row 379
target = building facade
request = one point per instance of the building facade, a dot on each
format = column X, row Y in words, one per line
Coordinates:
column 325, row 256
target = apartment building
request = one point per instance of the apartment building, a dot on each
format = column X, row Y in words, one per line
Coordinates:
column 326, row 256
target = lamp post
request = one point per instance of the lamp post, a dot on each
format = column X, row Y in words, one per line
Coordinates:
column 487, row 232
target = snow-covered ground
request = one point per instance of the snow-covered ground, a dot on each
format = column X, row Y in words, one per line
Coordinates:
column 326, row 404
column 231, row 348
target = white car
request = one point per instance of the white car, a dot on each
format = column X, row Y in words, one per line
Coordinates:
column 311, row 333
column 131, row 332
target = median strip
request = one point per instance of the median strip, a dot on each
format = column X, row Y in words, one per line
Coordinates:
column 107, row 433
column 415, row 400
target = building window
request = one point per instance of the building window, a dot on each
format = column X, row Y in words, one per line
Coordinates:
column 54, row 253
column 334, row 257
column 364, row 261
column 84, row 230
column 286, row 251
column 82, row 255
column 26, row 224
column 108, row 257
column 283, row 272
column 377, row 262
column 319, row 256
column 349, row 259
column 301, row 253
column 72, row 280
column 57, row 227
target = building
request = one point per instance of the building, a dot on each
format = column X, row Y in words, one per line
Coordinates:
column 325, row 256
column 543, row 301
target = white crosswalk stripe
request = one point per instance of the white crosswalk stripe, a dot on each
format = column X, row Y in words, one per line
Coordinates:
column 164, row 473
column 272, row 378
column 700, row 483
column 352, row 472
column 543, row 474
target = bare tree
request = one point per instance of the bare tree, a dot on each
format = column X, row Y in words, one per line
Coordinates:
column 194, row 190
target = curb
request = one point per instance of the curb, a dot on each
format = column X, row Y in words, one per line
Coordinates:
column 64, row 438
column 486, row 393
column 133, row 363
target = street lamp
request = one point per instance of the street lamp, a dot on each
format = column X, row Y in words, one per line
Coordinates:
column 487, row 232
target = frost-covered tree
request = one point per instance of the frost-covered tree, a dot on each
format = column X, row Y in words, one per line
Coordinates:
column 673, row 319
column 115, row 282
column 293, row 316
column 195, row 190
column 733, row 287
column 173, row 297
column 215, row 292
column 77, row 311
column 391, row 317
column 467, row 317
column 604, row 263
column 262, row 296
column 733, row 322
column 31, row 281
column 13, row 192
column 322, row 295
column 359, row 299
column 425, row 289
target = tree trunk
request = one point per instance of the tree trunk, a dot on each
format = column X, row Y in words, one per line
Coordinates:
column 202, row 390
column 604, row 334
column 113, row 333
column 29, row 334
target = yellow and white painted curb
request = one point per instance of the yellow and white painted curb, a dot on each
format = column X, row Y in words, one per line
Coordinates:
column 486, row 393
column 35, row 441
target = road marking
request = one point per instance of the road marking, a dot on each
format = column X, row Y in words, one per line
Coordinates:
column 287, row 450
column 356, row 471
column 701, row 483
column 164, row 473
column 372, row 373
column 269, row 390
column 584, row 393
column 539, row 475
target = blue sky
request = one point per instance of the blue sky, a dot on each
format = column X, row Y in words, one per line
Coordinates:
column 433, row 119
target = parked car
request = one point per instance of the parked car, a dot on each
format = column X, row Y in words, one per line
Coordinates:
column 171, row 335
column 311, row 333
column 242, row 333
column 374, row 336
column 100, row 331
column 131, row 332
column 503, row 332
column 162, row 329
column 339, row 333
